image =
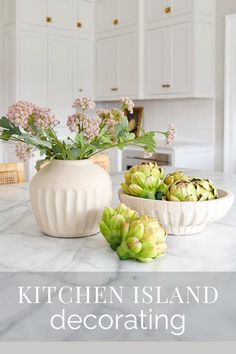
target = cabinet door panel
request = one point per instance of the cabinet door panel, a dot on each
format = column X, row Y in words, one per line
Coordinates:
column 84, row 67
column 127, row 13
column 62, row 13
column 128, row 65
column 105, row 14
column 106, row 67
column 155, row 10
column 33, row 67
column 180, row 7
column 61, row 75
column 85, row 16
column 33, row 12
column 180, row 51
column 155, row 62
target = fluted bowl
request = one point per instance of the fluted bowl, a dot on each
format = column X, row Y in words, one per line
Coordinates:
column 182, row 218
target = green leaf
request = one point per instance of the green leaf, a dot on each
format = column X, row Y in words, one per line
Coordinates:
column 9, row 127
column 36, row 141
column 74, row 153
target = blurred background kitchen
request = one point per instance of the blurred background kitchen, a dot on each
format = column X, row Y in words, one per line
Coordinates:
column 175, row 58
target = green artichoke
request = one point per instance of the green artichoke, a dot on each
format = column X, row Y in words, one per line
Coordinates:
column 182, row 191
column 205, row 189
column 112, row 223
column 142, row 240
column 175, row 177
column 143, row 180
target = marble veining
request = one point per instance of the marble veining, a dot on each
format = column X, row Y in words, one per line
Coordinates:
column 24, row 248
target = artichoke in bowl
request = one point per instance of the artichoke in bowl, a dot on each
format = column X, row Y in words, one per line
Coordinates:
column 206, row 190
column 175, row 177
column 182, row 191
column 142, row 240
column 143, row 180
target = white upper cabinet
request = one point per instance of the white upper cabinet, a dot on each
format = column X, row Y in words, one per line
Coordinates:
column 105, row 14
column 33, row 67
column 127, row 13
column 179, row 55
column 84, row 68
column 85, row 17
column 33, row 12
column 60, row 75
column 61, row 14
column 179, row 49
column 155, row 69
column 117, row 67
column 127, row 63
column 106, row 68
column 112, row 15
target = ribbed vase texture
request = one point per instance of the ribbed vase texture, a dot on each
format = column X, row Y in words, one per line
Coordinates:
column 68, row 197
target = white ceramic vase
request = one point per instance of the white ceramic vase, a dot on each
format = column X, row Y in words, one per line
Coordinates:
column 68, row 197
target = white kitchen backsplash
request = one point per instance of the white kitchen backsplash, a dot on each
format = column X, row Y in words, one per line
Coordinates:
column 194, row 118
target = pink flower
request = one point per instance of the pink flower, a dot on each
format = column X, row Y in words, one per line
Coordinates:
column 171, row 134
column 104, row 113
column 127, row 104
column 86, row 103
column 23, row 151
column 82, row 123
column 20, row 112
column 44, row 118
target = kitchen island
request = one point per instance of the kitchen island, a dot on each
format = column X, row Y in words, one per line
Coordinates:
column 24, row 248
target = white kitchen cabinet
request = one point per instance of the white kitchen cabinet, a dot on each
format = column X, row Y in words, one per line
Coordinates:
column 33, row 69
column 179, row 60
column 112, row 15
column 156, row 65
column 165, row 10
column 105, row 14
column 117, row 67
column 127, row 65
column 84, row 83
column 33, row 12
column 106, row 68
column 179, row 52
column 60, row 75
column 62, row 14
column 85, row 17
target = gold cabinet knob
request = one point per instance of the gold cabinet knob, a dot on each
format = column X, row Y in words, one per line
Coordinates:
column 80, row 90
column 168, row 10
column 48, row 19
column 115, row 22
column 114, row 89
column 168, row 86
column 79, row 24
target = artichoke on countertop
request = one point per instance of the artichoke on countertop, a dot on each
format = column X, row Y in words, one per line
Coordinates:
column 142, row 240
column 143, row 180
column 133, row 237
column 112, row 223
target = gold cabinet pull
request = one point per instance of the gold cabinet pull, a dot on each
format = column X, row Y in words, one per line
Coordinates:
column 48, row 19
column 80, row 90
column 168, row 10
column 114, row 89
column 79, row 24
column 115, row 22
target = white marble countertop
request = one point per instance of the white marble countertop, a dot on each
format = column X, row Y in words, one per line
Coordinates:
column 24, row 248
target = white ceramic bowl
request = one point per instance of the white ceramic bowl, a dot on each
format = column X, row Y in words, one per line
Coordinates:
column 182, row 218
